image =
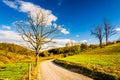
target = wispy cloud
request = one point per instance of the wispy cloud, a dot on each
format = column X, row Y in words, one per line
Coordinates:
column 117, row 29
column 59, row 27
column 5, row 27
column 10, row 4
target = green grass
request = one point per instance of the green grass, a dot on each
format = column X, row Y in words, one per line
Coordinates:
column 13, row 71
column 12, row 65
column 105, row 60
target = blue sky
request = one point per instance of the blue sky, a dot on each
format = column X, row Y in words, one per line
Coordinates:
column 77, row 17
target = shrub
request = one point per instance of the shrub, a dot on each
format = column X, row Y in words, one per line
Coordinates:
column 93, row 46
column 84, row 47
column 118, row 41
column 66, row 50
column 109, row 43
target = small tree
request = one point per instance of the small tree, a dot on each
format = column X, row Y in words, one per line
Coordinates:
column 109, row 30
column 36, row 30
column 98, row 33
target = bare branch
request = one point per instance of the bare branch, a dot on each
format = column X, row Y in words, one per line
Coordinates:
column 35, row 31
column 109, row 30
column 98, row 33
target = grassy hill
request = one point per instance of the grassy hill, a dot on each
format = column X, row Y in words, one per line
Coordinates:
column 105, row 60
column 14, row 61
column 13, row 53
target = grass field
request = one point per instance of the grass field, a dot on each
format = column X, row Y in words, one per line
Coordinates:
column 13, row 71
column 12, row 65
column 105, row 60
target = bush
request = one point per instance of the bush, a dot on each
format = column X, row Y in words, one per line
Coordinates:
column 84, row 47
column 93, row 46
column 118, row 41
column 66, row 50
column 109, row 43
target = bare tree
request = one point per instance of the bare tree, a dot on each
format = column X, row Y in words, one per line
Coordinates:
column 36, row 32
column 109, row 30
column 98, row 33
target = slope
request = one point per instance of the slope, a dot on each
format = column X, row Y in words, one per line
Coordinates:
column 105, row 60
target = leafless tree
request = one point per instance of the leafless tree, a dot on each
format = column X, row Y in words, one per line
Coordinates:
column 36, row 32
column 109, row 30
column 98, row 33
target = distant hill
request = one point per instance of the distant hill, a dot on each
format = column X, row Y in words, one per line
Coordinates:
column 13, row 52
column 14, row 48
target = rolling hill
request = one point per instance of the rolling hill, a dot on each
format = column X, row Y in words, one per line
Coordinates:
column 101, row 60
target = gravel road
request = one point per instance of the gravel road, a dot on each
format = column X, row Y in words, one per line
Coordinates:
column 50, row 71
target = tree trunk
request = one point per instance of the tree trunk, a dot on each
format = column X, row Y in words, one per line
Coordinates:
column 100, row 43
column 37, row 57
column 106, row 40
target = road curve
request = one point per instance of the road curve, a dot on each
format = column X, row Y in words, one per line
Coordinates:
column 50, row 71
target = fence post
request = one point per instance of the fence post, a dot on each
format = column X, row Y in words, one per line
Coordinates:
column 29, row 71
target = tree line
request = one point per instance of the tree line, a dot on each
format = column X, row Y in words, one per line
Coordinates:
column 72, row 50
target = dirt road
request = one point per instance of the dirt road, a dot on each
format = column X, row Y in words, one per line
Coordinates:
column 50, row 71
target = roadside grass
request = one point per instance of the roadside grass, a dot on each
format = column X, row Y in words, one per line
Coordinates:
column 13, row 66
column 106, row 60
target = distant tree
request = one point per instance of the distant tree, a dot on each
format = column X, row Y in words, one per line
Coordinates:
column 98, row 33
column 109, row 30
column 36, row 30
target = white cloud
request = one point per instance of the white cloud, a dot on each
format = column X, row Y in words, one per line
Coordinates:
column 10, row 4
column 6, row 27
column 84, row 41
column 63, row 30
column 117, row 29
column 10, row 36
column 13, row 37
column 31, row 8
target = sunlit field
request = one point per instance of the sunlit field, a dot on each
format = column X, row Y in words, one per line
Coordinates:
column 13, row 71
column 105, row 60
